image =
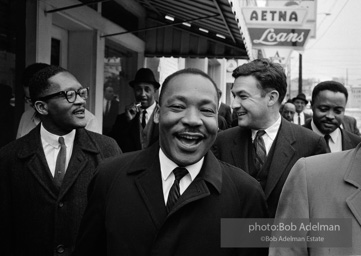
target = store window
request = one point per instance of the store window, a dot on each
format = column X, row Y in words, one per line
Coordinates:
column 120, row 66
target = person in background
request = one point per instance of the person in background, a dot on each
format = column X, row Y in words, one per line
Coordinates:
column 225, row 111
column 169, row 199
column 30, row 118
column 222, row 123
column 264, row 144
column 323, row 187
column 45, row 174
column 288, row 111
column 135, row 129
column 110, row 109
column 7, row 112
column 329, row 99
column 300, row 102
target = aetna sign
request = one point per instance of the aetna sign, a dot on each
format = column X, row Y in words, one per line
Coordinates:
column 290, row 37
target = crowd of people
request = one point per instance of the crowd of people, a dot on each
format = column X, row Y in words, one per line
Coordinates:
column 165, row 172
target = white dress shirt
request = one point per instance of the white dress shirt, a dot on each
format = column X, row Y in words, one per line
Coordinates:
column 270, row 135
column 149, row 112
column 167, row 166
column 51, row 147
column 105, row 102
column 335, row 142
column 302, row 117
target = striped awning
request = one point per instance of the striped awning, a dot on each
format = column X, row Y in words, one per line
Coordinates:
column 193, row 28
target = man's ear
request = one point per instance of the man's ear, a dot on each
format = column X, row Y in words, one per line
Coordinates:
column 156, row 114
column 41, row 107
column 273, row 97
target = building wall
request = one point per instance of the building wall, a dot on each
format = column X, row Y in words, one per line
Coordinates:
column 85, row 57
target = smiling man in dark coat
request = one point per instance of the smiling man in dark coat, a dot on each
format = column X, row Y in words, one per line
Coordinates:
column 264, row 144
column 140, row 204
column 43, row 184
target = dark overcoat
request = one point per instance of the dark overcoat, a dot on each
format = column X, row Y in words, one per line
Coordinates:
column 126, row 214
column 37, row 218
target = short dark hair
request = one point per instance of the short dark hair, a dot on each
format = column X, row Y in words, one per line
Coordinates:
column 193, row 71
column 30, row 71
column 328, row 86
column 269, row 75
column 39, row 83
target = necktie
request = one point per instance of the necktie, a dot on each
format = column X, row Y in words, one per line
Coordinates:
column 174, row 193
column 107, row 107
column 144, row 113
column 60, row 163
column 299, row 119
column 327, row 139
column 260, row 150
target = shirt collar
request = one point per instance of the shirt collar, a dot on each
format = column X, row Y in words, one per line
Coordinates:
column 271, row 131
column 167, row 166
column 52, row 139
column 334, row 135
column 151, row 108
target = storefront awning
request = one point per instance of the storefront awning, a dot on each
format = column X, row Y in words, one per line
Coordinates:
column 193, row 28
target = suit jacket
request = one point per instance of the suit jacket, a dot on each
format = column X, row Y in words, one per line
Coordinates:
column 225, row 111
column 110, row 117
column 126, row 213
column 325, row 186
column 292, row 142
column 349, row 140
column 350, row 124
column 128, row 133
column 222, row 123
column 37, row 218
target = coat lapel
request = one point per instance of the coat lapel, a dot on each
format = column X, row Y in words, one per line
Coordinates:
column 240, row 149
column 283, row 154
column 346, row 140
column 211, row 173
column 353, row 177
column 149, row 183
column 33, row 155
column 83, row 145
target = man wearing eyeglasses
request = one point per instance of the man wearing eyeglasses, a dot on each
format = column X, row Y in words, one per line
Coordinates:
column 45, row 174
column 30, row 119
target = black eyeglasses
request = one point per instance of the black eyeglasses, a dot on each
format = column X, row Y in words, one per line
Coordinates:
column 70, row 95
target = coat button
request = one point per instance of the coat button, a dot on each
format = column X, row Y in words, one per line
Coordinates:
column 61, row 204
column 60, row 249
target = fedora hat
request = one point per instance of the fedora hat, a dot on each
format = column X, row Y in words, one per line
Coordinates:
column 144, row 75
column 300, row 96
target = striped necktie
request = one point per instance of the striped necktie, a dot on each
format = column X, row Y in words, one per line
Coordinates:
column 260, row 150
column 174, row 192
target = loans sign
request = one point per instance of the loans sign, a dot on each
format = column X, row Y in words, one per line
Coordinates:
column 289, row 37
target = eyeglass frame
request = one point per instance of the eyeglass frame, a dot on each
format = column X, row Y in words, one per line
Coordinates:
column 64, row 94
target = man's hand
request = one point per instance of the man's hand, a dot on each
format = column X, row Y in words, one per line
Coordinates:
column 132, row 110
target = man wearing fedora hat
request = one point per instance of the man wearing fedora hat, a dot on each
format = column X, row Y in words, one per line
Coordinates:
column 134, row 129
column 300, row 103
